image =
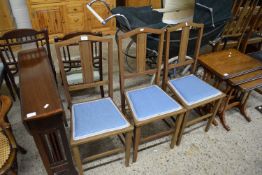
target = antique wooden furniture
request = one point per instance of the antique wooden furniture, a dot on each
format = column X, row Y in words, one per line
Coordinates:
column 61, row 17
column 8, row 146
column 97, row 119
column 148, row 104
column 241, row 73
column 189, row 90
column 242, row 12
column 42, row 112
column 72, row 62
column 7, row 21
column 138, row 3
column 19, row 37
column 4, row 76
column 254, row 33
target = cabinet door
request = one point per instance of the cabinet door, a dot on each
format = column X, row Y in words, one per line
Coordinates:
column 50, row 17
column 94, row 25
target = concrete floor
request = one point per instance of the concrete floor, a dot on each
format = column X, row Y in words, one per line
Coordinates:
column 215, row 152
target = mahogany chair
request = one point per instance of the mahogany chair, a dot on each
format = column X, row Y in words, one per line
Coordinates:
column 234, row 31
column 97, row 119
column 189, row 90
column 8, row 145
column 148, row 104
column 11, row 40
column 72, row 61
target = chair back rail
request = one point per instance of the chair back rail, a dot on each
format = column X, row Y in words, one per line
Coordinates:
column 71, row 63
column 86, row 60
column 182, row 61
column 19, row 37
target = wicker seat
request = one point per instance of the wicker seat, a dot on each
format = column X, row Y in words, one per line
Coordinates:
column 5, row 149
column 8, row 146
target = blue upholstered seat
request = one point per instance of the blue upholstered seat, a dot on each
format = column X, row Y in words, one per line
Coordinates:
column 96, row 117
column 192, row 90
column 151, row 102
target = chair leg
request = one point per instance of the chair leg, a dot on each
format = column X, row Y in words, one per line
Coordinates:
column 136, row 142
column 128, row 140
column 9, row 86
column 182, row 128
column 21, row 149
column 217, row 105
column 177, row 128
column 76, row 155
column 102, row 91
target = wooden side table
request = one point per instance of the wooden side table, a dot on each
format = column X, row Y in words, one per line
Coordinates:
column 236, row 74
column 42, row 111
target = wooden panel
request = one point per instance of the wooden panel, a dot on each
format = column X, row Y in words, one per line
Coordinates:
column 141, row 52
column 183, row 45
column 73, row 8
column 50, row 17
column 86, row 61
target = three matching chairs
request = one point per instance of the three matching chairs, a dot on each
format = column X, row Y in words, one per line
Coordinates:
column 189, row 90
column 97, row 119
column 145, row 105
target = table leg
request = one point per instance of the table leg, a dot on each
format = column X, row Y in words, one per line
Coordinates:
column 243, row 106
column 223, row 108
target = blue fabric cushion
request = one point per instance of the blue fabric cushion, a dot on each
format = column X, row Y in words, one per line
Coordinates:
column 192, row 90
column 151, row 102
column 96, row 117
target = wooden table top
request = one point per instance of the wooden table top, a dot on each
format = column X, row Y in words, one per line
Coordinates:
column 38, row 91
column 229, row 63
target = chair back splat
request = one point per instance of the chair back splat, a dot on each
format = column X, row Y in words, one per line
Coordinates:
column 70, row 62
column 183, row 59
column 86, row 77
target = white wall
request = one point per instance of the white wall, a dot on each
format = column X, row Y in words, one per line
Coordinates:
column 20, row 12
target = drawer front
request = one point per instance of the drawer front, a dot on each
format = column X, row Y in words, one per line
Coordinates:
column 75, row 22
column 43, row 1
column 74, row 8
